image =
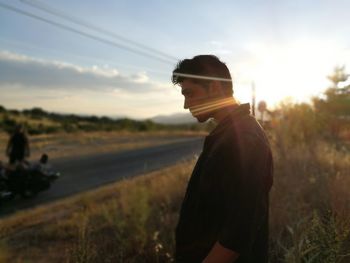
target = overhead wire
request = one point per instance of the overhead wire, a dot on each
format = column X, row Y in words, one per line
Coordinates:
column 85, row 34
column 59, row 13
column 21, row 46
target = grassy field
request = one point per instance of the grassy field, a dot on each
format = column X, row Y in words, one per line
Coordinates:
column 310, row 204
column 134, row 220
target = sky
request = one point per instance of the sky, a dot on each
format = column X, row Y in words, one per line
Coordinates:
column 115, row 58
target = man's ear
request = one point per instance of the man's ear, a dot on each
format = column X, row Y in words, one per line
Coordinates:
column 215, row 88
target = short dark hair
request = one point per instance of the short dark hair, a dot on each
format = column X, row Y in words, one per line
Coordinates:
column 203, row 69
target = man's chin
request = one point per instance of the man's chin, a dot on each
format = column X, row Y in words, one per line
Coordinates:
column 201, row 118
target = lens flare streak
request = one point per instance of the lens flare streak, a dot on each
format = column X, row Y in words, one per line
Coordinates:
column 200, row 77
column 212, row 106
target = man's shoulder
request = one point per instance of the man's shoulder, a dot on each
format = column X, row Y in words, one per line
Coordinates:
column 245, row 131
column 245, row 125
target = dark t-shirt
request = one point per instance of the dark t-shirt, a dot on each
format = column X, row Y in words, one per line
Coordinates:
column 18, row 146
column 227, row 195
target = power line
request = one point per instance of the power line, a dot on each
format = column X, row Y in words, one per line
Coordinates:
column 85, row 58
column 88, row 35
column 61, row 14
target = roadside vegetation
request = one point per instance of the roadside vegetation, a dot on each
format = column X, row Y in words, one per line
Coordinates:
column 38, row 121
column 64, row 135
column 134, row 220
column 130, row 221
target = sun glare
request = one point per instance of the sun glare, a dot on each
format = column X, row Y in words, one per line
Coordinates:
column 298, row 71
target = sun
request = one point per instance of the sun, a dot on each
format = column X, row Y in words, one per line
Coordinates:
column 297, row 71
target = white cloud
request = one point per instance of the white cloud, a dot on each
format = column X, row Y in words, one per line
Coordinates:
column 27, row 82
column 38, row 73
column 141, row 77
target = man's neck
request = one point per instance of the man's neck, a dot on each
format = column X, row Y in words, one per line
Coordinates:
column 222, row 113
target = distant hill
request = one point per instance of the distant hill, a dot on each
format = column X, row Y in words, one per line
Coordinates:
column 177, row 118
column 39, row 121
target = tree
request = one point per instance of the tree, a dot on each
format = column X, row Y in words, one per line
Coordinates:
column 37, row 113
column 335, row 106
column 2, row 108
column 338, row 76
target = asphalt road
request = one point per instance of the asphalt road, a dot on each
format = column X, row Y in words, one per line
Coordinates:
column 79, row 174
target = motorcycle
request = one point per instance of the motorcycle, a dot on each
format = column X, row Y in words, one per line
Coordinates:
column 26, row 180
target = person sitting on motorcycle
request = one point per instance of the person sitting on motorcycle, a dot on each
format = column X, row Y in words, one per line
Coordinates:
column 42, row 166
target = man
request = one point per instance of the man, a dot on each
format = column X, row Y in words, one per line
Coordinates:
column 224, row 214
column 18, row 145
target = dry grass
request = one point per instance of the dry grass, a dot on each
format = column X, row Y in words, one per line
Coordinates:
column 310, row 204
column 140, row 212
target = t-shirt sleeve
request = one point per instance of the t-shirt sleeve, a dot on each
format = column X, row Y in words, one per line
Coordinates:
column 245, row 194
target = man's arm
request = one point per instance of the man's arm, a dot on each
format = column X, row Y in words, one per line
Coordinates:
column 220, row 254
column 244, row 196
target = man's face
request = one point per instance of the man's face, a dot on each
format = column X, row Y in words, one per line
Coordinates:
column 196, row 96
